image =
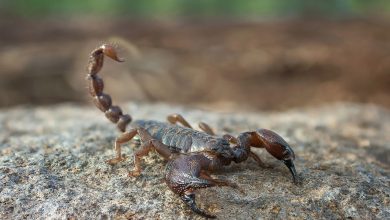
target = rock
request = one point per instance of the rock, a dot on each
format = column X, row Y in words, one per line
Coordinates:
column 52, row 166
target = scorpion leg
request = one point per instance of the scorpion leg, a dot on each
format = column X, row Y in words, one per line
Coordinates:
column 123, row 138
column 258, row 160
column 146, row 147
column 206, row 128
column 217, row 182
column 230, row 138
column 147, row 141
column 174, row 118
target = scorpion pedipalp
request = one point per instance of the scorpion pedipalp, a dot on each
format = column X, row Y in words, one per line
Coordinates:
column 274, row 144
column 189, row 199
column 187, row 173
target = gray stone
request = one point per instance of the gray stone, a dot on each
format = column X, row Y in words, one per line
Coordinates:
column 52, row 166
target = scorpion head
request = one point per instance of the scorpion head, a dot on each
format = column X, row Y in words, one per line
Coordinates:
column 277, row 147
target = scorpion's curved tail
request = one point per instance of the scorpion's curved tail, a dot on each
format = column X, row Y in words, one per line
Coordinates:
column 95, row 84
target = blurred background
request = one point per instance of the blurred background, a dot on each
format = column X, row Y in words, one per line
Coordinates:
column 217, row 54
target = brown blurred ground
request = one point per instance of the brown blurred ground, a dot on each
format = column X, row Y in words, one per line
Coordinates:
column 259, row 65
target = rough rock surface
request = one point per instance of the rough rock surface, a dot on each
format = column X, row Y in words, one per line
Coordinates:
column 52, row 166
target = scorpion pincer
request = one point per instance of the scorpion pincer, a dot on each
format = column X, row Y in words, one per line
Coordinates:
column 191, row 154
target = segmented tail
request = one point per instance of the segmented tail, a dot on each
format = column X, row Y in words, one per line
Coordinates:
column 95, row 84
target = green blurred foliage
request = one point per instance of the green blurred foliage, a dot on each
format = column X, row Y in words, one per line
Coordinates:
column 193, row 8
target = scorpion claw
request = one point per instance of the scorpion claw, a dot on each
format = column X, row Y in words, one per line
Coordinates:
column 277, row 147
column 189, row 199
column 290, row 165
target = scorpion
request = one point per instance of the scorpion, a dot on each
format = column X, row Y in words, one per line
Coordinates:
column 191, row 154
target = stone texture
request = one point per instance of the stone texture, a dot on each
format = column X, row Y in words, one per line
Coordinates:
column 52, row 166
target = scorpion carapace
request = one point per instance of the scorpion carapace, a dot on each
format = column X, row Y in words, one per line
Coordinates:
column 191, row 154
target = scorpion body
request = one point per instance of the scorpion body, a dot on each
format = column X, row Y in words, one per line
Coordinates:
column 185, row 139
column 191, row 154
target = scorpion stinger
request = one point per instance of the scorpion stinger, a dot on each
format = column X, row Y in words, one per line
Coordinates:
column 95, row 84
column 109, row 51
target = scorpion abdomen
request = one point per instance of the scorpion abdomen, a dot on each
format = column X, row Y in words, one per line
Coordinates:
column 186, row 139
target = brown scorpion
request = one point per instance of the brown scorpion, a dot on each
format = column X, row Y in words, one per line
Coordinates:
column 191, row 154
